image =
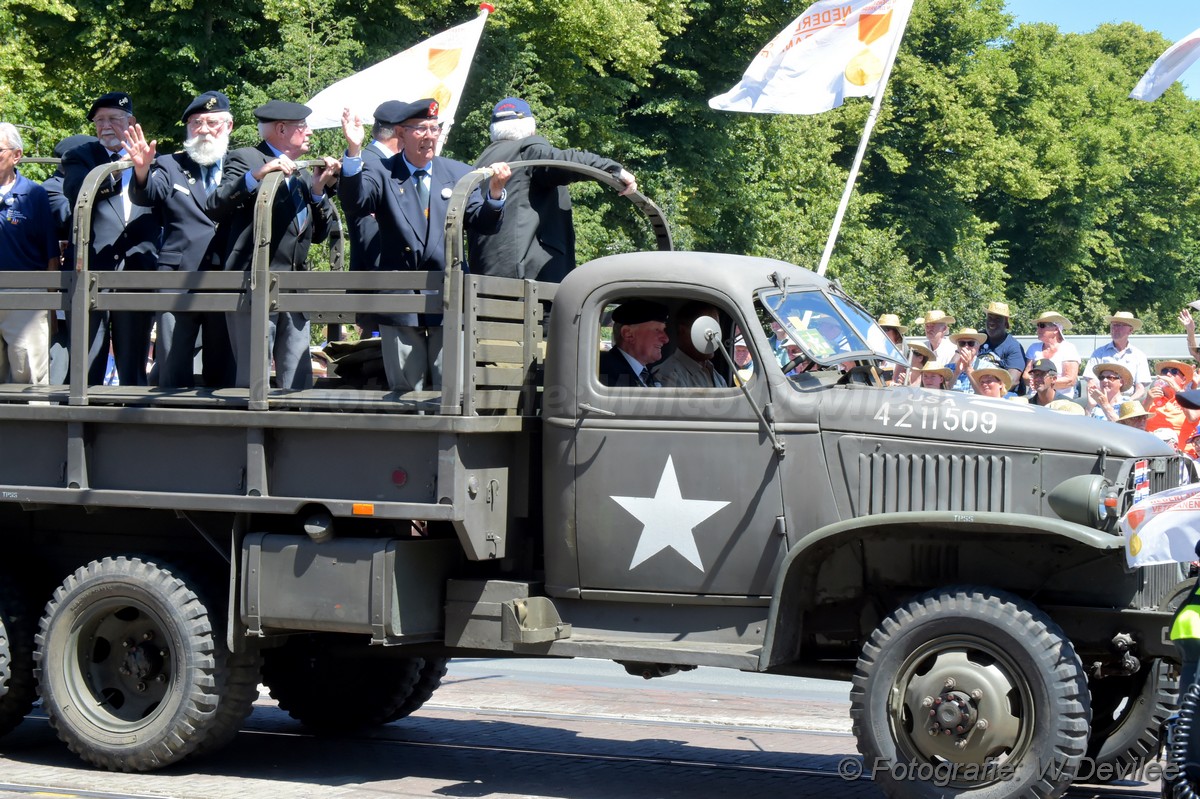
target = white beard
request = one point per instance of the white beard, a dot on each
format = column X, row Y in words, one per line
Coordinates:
column 206, row 151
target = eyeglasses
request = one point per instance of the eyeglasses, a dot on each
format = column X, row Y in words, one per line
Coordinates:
column 424, row 131
column 110, row 121
column 1036, row 375
column 1043, row 325
column 301, row 125
column 1171, row 370
column 1110, row 376
column 968, row 343
column 202, row 123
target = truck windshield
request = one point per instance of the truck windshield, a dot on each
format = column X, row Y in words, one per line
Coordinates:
column 829, row 329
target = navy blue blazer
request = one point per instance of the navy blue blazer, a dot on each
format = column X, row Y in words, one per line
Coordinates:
column 232, row 207
column 616, row 371
column 409, row 241
column 175, row 186
column 116, row 244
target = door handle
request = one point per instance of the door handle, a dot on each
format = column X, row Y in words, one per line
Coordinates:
column 586, row 408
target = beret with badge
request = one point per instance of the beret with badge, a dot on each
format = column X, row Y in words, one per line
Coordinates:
column 207, row 103
column 118, row 100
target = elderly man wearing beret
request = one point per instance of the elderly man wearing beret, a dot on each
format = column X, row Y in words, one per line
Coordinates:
column 639, row 333
column 301, row 216
column 178, row 186
column 409, row 194
column 125, row 237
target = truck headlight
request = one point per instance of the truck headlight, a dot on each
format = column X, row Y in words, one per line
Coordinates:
column 1087, row 499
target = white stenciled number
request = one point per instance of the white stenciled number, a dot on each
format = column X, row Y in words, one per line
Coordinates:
column 903, row 420
column 970, row 420
column 951, row 419
column 883, row 413
column 987, row 421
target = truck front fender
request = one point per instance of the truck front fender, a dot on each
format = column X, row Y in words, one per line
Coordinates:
column 836, row 582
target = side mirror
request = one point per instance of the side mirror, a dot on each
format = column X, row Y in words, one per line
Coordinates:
column 706, row 335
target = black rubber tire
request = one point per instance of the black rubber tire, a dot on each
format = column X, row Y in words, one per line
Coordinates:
column 429, row 679
column 1128, row 714
column 133, row 670
column 18, row 688
column 330, row 690
column 1033, row 694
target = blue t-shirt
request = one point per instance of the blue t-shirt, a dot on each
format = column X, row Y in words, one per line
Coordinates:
column 28, row 234
column 1009, row 353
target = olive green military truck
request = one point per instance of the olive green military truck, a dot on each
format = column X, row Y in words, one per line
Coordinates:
column 956, row 557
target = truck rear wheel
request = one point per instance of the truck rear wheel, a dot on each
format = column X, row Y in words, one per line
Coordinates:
column 429, row 679
column 18, row 689
column 971, row 692
column 1127, row 715
column 332, row 690
column 133, row 672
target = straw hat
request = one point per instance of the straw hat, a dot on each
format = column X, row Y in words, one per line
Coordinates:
column 1125, row 375
column 999, row 309
column 1125, row 318
column 1003, row 375
column 1054, row 318
column 936, row 368
column 937, row 317
column 891, row 320
column 1066, row 406
column 921, row 349
column 1131, row 410
column 1188, row 370
column 969, row 332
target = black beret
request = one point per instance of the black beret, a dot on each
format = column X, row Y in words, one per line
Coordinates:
column 118, row 100
column 279, row 111
column 637, row 311
column 391, row 112
column 426, row 108
column 206, row 103
column 70, row 143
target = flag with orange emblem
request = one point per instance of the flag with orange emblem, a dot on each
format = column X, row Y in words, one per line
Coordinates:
column 834, row 50
column 1163, row 527
column 437, row 68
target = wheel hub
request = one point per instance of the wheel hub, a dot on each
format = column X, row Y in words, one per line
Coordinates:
column 952, row 714
column 143, row 661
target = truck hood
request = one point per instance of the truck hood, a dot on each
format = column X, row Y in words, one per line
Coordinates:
column 952, row 416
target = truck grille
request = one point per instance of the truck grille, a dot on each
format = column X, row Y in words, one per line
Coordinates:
column 1163, row 474
column 894, row 483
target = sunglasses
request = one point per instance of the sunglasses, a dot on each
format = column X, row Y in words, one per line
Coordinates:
column 1171, row 370
column 1043, row 325
column 1110, row 376
column 968, row 343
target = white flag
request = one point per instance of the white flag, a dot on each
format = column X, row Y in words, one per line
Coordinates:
column 1163, row 527
column 834, row 50
column 1167, row 69
column 437, row 68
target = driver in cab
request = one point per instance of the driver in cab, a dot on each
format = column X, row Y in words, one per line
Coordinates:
column 639, row 333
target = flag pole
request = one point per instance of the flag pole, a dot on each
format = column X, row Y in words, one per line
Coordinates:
column 858, row 157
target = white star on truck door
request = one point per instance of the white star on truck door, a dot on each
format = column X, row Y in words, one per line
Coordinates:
column 668, row 520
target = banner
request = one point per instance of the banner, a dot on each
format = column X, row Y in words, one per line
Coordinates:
column 1163, row 528
column 834, row 50
column 437, row 68
column 1167, row 69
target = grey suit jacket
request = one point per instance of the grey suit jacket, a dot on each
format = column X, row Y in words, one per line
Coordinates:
column 116, row 243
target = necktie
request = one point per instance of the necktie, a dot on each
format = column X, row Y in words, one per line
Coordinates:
column 422, row 190
column 209, row 178
column 645, row 377
column 709, row 373
column 296, row 186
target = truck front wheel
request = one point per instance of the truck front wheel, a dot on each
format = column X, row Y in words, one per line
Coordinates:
column 132, row 670
column 18, row 689
column 970, row 691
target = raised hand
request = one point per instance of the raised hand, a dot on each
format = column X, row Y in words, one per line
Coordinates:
column 352, row 129
column 141, row 152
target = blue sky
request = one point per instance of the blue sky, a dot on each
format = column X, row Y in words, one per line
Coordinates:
column 1174, row 19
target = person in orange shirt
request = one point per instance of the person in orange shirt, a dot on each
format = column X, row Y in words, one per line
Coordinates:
column 1170, row 408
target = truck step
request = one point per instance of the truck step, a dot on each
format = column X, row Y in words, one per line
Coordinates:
column 680, row 653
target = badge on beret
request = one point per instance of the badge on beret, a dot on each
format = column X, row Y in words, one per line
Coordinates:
column 212, row 102
column 124, row 101
column 433, row 108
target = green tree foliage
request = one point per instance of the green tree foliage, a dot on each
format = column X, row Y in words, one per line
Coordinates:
column 1007, row 163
